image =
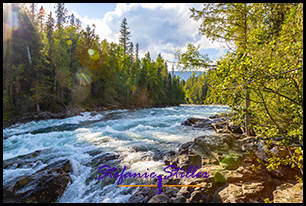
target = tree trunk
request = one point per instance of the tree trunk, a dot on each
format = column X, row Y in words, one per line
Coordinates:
column 247, row 95
column 247, row 116
column 37, row 105
column 11, row 94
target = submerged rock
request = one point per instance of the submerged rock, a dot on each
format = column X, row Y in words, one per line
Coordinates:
column 21, row 161
column 44, row 186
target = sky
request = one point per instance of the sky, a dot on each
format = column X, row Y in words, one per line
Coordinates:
column 156, row 27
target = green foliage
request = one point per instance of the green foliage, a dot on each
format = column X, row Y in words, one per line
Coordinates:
column 70, row 65
column 231, row 161
column 261, row 77
column 267, row 200
column 192, row 59
column 218, row 177
column 124, row 35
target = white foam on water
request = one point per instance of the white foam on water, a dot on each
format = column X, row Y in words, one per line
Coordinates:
column 34, row 125
column 144, row 130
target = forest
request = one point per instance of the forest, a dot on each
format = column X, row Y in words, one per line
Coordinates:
column 52, row 64
column 261, row 77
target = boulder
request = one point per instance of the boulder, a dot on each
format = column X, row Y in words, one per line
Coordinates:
column 288, row 193
column 215, row 116
column 190, row 154
column 169, row 158
column 200, row 196
column 159, row 198
column 44, row 186
column 21, row 161
column 220, row 126
column 143, row 194
column 102, row 158
column 191, row 121
column 245, row 192
column 235, row 129
column 199, row 123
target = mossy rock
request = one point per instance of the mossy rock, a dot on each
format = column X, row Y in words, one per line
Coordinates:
column 231, row 161
column 219, row 178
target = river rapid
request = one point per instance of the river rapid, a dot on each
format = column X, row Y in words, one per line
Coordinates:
column 134, row 135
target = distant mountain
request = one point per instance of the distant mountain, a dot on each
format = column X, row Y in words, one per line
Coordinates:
column 185, row 75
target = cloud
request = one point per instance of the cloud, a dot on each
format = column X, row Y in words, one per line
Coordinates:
column 157, row 28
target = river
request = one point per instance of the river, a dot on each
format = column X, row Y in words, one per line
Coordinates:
column 83, row 138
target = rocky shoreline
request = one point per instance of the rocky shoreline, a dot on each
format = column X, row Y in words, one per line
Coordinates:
column 226, row 156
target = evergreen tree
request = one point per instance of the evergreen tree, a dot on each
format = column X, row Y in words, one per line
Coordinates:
column 125, row 35
column 54, row 65
column 131, row 52
column 60, row 12
column 72, row 19
column 137, row 51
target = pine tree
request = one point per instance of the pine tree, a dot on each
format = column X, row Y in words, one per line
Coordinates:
column 72, row 19
column 125, row 35
column 137, row 52
column 131, row 52
column 33, row 9
column 60, row 12
column 51, row 50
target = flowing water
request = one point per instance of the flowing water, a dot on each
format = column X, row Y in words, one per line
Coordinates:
column 80, row 137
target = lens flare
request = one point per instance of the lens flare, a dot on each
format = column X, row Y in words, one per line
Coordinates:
column 133, row 88
column 90, row 52
column 88, row 56
column 83, row 77
column 63, row 77
column 80, row 92
column 93, row 54
column 11, row 23
column 7, row 32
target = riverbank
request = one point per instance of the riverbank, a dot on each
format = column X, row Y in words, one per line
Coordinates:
column 70, row 111
column 231, row 159
column 54, row 170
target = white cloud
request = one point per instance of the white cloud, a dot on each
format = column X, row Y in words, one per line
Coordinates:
column 157, row 28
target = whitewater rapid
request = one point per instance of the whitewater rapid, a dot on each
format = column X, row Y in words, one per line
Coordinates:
column 118, row 131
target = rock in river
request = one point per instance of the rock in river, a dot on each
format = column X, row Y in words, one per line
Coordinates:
column 44, row 186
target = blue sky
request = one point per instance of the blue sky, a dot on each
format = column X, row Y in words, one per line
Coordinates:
column 156, row 27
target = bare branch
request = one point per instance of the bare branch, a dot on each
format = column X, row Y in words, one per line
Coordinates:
column 271, row 90
column 273, row 75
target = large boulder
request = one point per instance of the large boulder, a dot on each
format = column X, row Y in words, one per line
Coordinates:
column 44, row 186
column 21, row 161
column 198, row 123
column 186, row 157
column 221, row 126
column 288, row 193
column 234, row 128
